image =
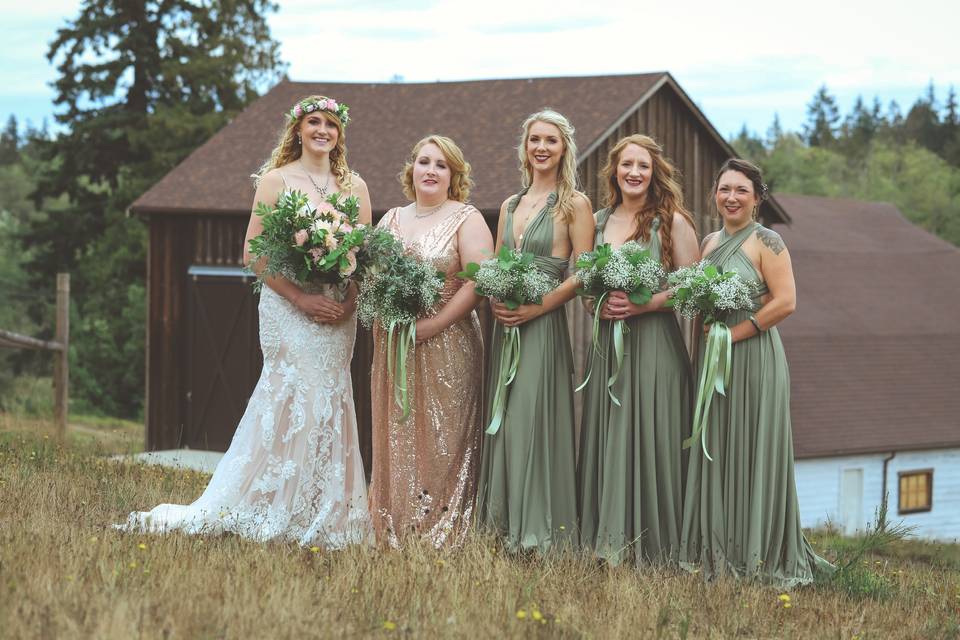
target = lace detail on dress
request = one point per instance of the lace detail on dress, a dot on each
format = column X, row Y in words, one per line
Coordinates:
column 293, row 470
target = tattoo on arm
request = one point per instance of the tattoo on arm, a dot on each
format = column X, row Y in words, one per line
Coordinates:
column 771, row 239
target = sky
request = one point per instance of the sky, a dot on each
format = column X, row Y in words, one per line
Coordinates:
column 741, row 62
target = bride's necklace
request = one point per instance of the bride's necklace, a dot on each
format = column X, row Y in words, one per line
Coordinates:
column 417, row 213
column 321, row 190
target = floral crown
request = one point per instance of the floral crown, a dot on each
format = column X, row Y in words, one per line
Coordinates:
column 309, row 105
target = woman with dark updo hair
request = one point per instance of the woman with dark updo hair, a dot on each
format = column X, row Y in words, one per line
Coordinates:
column 741, row 514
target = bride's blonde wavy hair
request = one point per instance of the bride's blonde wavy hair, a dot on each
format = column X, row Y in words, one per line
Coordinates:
column 289, row 148
column 567, row 176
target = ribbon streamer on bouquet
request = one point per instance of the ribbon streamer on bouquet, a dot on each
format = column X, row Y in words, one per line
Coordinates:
column 714, row 377
column 619, row 329
column 596, row 338
column 506, row 372
column 397, row 364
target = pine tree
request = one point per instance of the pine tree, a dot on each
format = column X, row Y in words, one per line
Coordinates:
column 951, row 129
column 922, row 123
column 140, row 83
column 823, row 116
column 775, row 132
column 10, row 142
column 858, row 130
column 749, row 145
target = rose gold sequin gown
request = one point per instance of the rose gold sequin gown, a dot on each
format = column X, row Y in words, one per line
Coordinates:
column 424, row 476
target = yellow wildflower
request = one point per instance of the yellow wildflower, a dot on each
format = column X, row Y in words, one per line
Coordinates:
column 521, row 614
column 389, row 626
column 787, row 605
column 784, row 597
column 315, row 549
column 142, row 547
column 537, row 615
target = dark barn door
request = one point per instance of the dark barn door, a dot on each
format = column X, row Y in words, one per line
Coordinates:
column 223, row 354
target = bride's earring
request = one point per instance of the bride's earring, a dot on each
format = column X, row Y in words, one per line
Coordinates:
column 299, row 140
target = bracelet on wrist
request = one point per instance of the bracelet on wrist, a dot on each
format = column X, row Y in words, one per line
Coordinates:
column 756, row 325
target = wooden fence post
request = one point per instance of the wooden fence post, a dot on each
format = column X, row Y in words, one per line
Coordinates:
column 61, row 366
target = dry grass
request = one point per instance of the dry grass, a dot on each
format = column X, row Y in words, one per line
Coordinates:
column 65, row 573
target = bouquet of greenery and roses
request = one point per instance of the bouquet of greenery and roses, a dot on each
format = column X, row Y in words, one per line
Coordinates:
column 310, row 244
column 512, row 278
column 395, row 291
column 629, row 268
column 704, row 290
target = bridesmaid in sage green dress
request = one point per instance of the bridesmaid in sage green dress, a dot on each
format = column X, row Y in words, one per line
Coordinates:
column 527, row 491
column 741, row 514
column 630, row 474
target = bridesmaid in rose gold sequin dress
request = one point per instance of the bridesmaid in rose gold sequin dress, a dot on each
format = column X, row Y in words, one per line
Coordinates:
column 424, row 476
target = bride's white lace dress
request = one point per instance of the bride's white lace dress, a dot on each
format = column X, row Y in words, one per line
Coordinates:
column 293, row 470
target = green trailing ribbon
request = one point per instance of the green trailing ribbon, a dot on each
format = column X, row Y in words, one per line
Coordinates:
column 406, row 340
column 714, row 376
column 506, row 372
column 596, row 338
column 619, row 329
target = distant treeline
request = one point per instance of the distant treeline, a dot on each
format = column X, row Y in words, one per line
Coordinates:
column 872, row 153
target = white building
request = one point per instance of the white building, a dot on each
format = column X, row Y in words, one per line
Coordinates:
column 874, row 353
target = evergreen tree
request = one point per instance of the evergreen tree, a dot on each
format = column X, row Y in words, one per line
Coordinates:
column 10, row 142
column 922, row 123
column 748, row 145
column 140, row 84
column 858, row 130
column 823, row 117
column 951, row 129
column 775, row 132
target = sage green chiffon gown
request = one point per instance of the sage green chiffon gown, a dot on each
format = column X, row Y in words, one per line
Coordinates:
column 741, row 514
column 631, row 470
column 527, row 489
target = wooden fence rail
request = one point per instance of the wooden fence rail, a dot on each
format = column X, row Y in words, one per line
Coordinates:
column 60, row 346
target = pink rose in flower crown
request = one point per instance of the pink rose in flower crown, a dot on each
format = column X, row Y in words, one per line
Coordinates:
column 351, row 264
column 331, row 104
column 298, row 110
column 301, row 237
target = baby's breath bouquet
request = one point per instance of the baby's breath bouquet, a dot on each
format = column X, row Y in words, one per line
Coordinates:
column 395, row 291
column 512, row 278
column 310, row 244
column 629, row 268
column 702, row 289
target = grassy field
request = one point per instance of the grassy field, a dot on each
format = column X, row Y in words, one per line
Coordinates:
column 65, row 573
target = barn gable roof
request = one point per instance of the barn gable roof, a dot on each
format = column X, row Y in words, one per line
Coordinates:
column 483, row 116
column 874, row 347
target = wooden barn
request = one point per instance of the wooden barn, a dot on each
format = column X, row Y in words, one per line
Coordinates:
column 202, row 347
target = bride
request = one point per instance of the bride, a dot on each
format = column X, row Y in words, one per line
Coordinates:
column 293, row 470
